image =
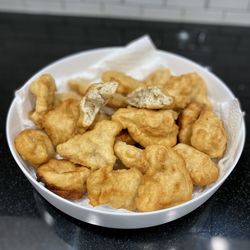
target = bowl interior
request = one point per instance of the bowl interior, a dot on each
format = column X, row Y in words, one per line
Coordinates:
column 68, row 66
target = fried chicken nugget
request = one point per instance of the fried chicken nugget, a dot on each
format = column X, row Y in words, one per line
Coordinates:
column 117, row 188
column 43, row 88
column 93, row 149
column 96, row 97
column 64, row 178
column 203, row 171
column 150, row 98
column 130, row 156
column 61, row 123
column 158, row 78
column 209, row 135
column 79, row 85
column 63, row 96
column 124, row 136
column 149, row 127
column 184, row 89
column 186, row 119
column 100, row 116
column 34, row 146
column 117, row 101
column 126, row 83
column 166, row 183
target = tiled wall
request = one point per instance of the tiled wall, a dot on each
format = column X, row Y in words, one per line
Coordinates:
column 232, row 12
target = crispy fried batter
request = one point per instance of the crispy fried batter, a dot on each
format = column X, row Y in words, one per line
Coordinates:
column 117, row 101
column 209, row 135
column 79, row 85
column 61, row 122
column 186, row 120
column 129, row 155
column 64, row 178
column 63, row 96
column 201, row 96
column 149, row 127
column 34, row 146
column 43, row 88
column 93, row 149
column 126, row 83
column 158, row 78
column 166, row 182
column 124, row 136
column 115, row 188
column 183, row 88
column 96, row 97
column 100, row 116
column 203, row 171
column 150, row 98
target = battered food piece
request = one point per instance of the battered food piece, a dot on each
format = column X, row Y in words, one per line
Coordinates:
column 43, row 88
column 183, row 88
column 201, row 96
column 126, row 83
column 63, row 96
column 61, row 123
column 64, row 178
column 100, row 116
column 124, row 136
column 166, row 183
column 96, row 97
column 117, row 101
column 186, row 120
column 148, row 127
column 202, row 169
column 130, row 156
column 158, row 78
column 115, row 188
column 150, row 98
column 34, row 146
column 93, row 149
column 79, row 85
column 209, row 135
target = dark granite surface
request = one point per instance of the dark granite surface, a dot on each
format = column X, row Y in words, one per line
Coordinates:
column 27, row 221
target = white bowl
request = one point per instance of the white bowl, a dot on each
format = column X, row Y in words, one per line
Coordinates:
column 119, row 219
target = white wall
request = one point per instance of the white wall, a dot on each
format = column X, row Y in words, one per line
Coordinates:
column 232, row 12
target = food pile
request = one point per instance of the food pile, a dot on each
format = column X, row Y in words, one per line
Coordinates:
column 162, row 139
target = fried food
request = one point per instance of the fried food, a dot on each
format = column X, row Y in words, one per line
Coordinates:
column 34, row 146
column 96, row 97
column 201, row 96
column 203, row 171
column 129, row 155
column 43, row 88
column 166, row 182
column 63, row 96
column 100, row 116
column 149, row 127
column 79, row 85
column 126, row 83
column 124, row 136
column 93, row 149
column 117, row 101
column 209, row 135
column 115, row 188
column 158, row 78
column 64, row 178
column 150, row 98
column 186, row 120
column 61, row 123
column 183, row 88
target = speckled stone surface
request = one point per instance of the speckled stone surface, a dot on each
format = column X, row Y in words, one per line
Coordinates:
column 27, row 221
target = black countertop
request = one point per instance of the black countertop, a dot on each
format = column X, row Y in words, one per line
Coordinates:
column 27, row 221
